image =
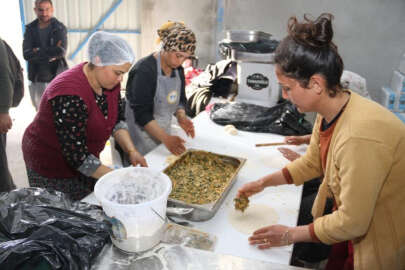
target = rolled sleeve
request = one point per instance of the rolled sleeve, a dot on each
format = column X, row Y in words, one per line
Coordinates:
column 89, row 165
column 120, row 125
column 312, row 233
column 287, row 175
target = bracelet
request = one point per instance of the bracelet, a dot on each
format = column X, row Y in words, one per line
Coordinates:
column 286, row 237
column 130, row 151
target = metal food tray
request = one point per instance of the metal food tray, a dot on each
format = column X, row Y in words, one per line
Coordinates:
column 246, row 36
column 203, row 212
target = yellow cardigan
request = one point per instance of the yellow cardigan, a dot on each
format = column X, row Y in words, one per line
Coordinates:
column 365, row 173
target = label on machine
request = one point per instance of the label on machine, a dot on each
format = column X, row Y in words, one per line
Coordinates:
column 257, row 81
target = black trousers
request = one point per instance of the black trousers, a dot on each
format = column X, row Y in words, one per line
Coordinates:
column 310, row 252
column 6, row 181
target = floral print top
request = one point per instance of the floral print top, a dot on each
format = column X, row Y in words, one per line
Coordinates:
column 70, row 118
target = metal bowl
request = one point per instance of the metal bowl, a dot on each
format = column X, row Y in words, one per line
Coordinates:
column 246, row 36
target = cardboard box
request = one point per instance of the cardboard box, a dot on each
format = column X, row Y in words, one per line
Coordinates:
column 388, row 98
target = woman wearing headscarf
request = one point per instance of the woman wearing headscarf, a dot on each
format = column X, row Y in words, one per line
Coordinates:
column 363, row 171
column 156, row 91
column 80, row 109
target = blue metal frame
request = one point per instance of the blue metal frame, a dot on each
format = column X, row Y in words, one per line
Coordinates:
column 106, row 30
column 220, row 24
column 97, row 27
column 89, row 31
column 22, row 16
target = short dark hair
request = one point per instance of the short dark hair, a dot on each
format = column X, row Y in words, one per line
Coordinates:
column 37, row 2
column 91, row 65
column 308, row 49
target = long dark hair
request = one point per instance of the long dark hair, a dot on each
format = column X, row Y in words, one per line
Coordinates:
column 308, row 49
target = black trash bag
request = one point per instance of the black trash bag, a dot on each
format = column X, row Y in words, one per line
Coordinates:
column 41, row 229
column 283, row 119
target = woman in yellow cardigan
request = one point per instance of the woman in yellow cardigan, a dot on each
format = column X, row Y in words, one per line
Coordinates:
column 357, row 146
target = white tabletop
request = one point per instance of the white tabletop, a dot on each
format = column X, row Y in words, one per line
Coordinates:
column 260, row 161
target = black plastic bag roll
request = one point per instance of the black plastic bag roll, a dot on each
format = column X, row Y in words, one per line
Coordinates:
column 283, row 119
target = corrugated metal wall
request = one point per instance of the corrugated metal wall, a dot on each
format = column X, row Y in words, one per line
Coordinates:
column 79, row 15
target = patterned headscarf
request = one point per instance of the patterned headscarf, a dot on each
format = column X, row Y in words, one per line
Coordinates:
column 175, row 36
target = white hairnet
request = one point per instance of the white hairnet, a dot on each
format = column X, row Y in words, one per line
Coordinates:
column 107, row 49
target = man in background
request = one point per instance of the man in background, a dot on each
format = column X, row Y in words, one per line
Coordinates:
column 44, row 47
column 6, row 93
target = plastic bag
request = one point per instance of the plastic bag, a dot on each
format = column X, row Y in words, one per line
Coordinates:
column 44, row 229
column 216, row 81
column 283, row 119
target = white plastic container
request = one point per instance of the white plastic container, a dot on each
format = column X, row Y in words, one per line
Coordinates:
column 399, row 105
column 388, row 98
column 401, row 66
column 135, row 199
column 398, row 82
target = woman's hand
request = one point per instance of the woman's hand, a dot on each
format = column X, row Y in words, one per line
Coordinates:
column 251, row 188
column 288, row 153
column 297, row 140
column 136, row 158
column 174, row 144
column 187, row 125
column 271, row 236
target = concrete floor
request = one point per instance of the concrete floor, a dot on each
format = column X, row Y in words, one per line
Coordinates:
column 22, row 116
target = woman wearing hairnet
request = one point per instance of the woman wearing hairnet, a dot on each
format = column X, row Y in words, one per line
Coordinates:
column 155, row 91
column 79, row 110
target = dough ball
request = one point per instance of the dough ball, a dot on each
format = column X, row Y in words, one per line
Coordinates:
column 170, row 159
column 227, row 127
column 231, row 130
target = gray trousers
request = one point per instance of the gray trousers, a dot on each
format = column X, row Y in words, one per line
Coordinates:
column 36, row 91
column 6, row 181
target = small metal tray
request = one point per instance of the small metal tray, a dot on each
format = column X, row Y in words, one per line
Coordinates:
column 203, row 212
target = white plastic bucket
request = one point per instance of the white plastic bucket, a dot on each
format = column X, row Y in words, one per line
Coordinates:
column 134, row 198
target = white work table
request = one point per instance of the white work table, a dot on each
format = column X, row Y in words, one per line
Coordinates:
column 285, row 200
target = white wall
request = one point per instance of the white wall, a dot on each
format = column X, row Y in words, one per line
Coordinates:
column 10, row 26
column 200, row 16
